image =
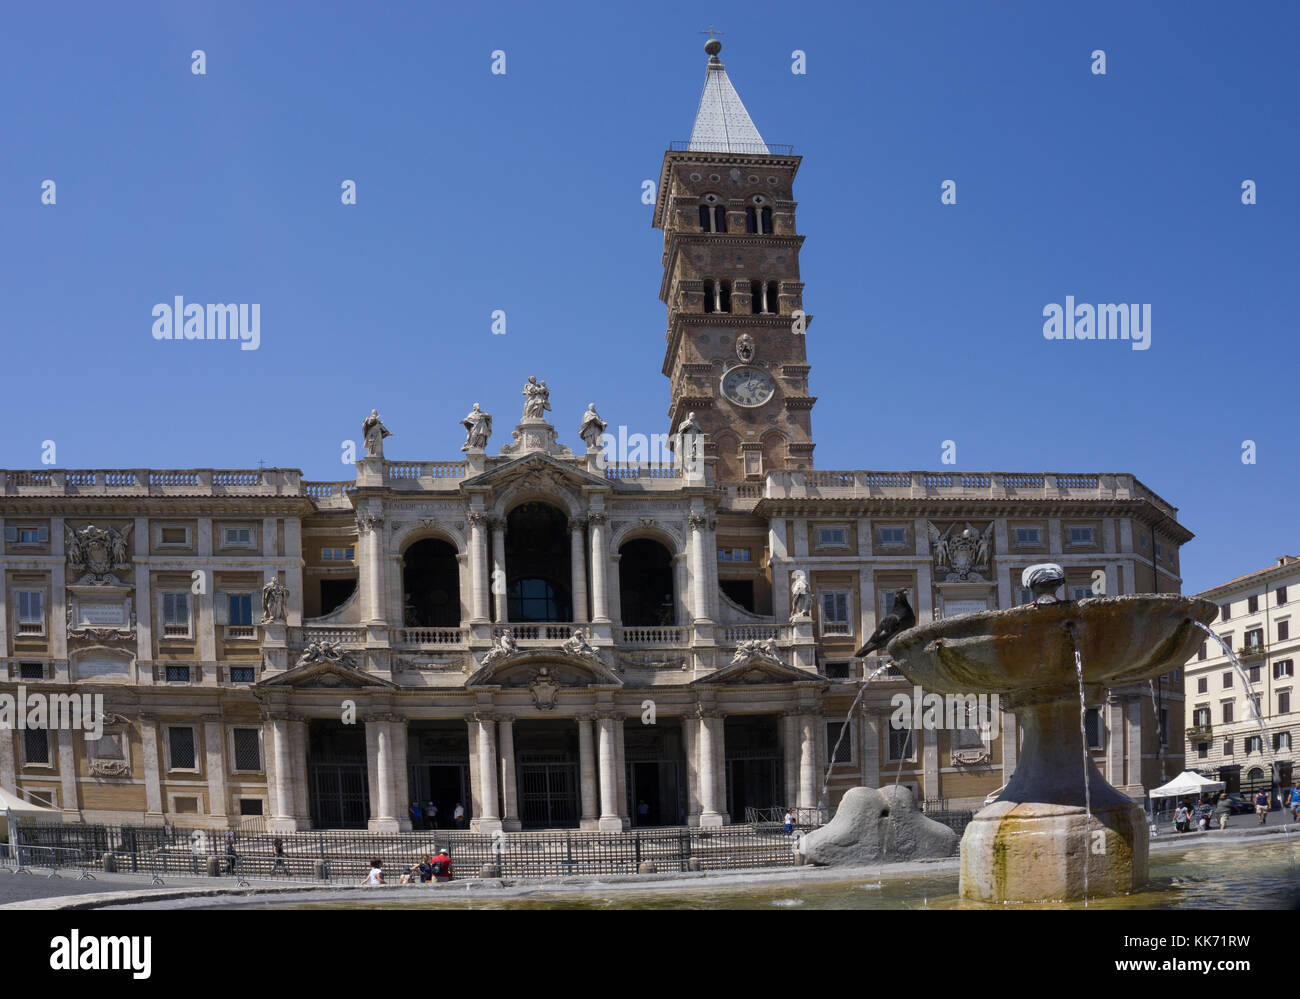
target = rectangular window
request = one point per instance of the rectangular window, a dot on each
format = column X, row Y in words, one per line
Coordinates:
column 36, row 745
column 1201, row 653
column 174, row 537
column 753, row 463
column 1227, row 747
column 1252, row 605
column 1281, row 594
column 1081, row 535
column 1254, row 674
column 835, row 613
column 900, row 743
column 1028, row 536
column 1081, row 592
column 1164, row 726
column 1283, row 668
column 1026, row 594
column 1281, row 740
column 239, row 608
column 893, row 537
column 250, row 806
column 839, row 670
column 29, row 535
column 843, row 754
column 1255, row 703
column 1203, row 685
column 1160, row 550
column 178, row 674
column 832, row 537
column 1254, row 744
column 1283, row 701
column 337, row 554
column 1201, row 716
column 176, row 615
column 31, row 612
column 1255, row 638
column 248, row 749
column 1227, row 679
column 241, row 674
column 1227, row 712
column 735, row 555
column 238, row 537
column 181, row 742
column 31, row 671
column 1283, row 630
column 1202, row 750
column 1093, row 728
column 1225, row 612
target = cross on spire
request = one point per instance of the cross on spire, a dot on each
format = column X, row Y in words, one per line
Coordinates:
column 710, row 32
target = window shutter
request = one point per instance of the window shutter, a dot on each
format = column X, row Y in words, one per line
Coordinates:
column 222, row 608
column 11, row 534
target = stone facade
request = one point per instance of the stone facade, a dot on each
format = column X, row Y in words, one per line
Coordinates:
column 547, row 637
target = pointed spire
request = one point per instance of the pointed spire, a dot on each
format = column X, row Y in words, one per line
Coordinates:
column 722, row 125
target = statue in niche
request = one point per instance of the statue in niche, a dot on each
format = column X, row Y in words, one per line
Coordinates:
column 373, row 433
column 800, row 596
column 274, row 594
column 537, row 399
column 592, row 427
column 478, row 428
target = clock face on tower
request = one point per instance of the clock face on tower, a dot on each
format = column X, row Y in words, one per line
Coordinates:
column 747, row 386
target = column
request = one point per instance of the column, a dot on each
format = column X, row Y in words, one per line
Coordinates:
column 613, row 584
column 1135, row 743
column 499, row 596
column 293, row 572
column 599, row 569
column 587, row 772
column 578, row 566
column 478, row 564
column 620, row 772
column 298, row 746
column 214, row 758
column 68, row 798
column 807, row 762
column 699, row 568
column 489, row 820
column 609, row 811
column 870, row 745
column 8, row 764
column 681, row 589
column 790, row 750
column 509, row 783
column 283, row 795
column 1113, row 740
column 56, row 617
column 152, row 767
column 930, row 764
column 474, row 805
column 691, row 734
column 710, row 742
column 143, row 603
column 370, row 533
column 399, row 774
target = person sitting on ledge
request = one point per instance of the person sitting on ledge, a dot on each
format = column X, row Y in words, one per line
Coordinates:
column 375, row 876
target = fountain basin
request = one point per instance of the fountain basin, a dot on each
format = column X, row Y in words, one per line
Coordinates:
column 1035, row 841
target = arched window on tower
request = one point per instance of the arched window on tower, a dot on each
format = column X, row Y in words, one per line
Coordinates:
column 724, row 296
column 756, row 298
column 706, row 216
column 751, row 219
column 713, row 214
column 719, row 219
column 773, row 298
column 710, row 296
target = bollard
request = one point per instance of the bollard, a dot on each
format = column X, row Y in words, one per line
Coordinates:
column 489, row 871
column 108, row 864
column 646, row 867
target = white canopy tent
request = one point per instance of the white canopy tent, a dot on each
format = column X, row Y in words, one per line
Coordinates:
column 12, row 806
column 1187, row 783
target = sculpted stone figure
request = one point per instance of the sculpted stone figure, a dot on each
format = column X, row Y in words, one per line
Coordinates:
column 592, row 427
column 577, row 644
column 373, row 433
column 503, row 646
column 273, row 597
column 800, row 596
column 537, row 399
column 478, row 428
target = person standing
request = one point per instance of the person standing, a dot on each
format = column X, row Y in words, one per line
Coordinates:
column 1295, row 804
column 459, row 815
column 1222, row 810
column 789, row 822
column 375, row 876
column 441, row 866
column 277, row 850
column 1261, row 806
column 417, row 815
column 431, row 816
column 1180, row 818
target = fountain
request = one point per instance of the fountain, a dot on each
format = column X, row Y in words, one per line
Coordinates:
column 1058, row 831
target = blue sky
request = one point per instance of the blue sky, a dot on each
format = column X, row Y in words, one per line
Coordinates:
column 522, row 192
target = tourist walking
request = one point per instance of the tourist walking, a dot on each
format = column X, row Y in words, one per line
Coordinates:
column 277, row 850
column 441, row 866
column 417, row 815
column 459, row 815
column 1180, row 818
column 1295, row 804
column 375, row 876
column 1222, row 811
column 1261, row 806
column 231, row 856
column 789, row 822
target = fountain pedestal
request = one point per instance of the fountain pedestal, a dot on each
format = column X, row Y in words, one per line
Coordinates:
column 1035, row 841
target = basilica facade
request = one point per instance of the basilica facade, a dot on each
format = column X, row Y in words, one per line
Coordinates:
column 555, row 635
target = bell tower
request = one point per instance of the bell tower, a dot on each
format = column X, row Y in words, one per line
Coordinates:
column 736, row 354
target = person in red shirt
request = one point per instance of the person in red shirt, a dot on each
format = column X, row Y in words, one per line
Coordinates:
column 441, row 866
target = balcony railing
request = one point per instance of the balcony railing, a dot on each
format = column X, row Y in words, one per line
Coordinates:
column 552, row 631
column 651, row 638
column 313, row 633
column 735, row 634
column 420, row 637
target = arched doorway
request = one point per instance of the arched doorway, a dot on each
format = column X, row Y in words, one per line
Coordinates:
column 646, row 591
column 431, row 585
column 537, row 564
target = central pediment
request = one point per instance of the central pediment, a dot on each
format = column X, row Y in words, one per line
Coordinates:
column 523, row 668
column 327, row 675
column 755, row 668
column 536, row 468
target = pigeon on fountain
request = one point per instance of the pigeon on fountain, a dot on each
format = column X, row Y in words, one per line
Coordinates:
column 1043, row 580
column 899, row 619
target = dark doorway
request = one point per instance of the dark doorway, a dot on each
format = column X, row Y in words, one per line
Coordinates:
column 334, row 593
column 755, row 775
column 546, row 767
column 741, row 591
column 437, row 755
column 645, row 576
column 537, row 564
column 431, row 585
column 656, row 773
column 337, row 780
